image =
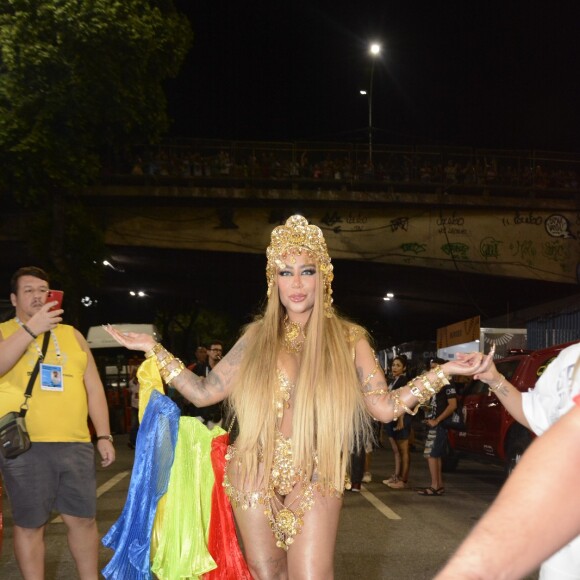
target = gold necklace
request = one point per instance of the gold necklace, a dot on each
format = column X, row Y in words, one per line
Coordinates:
column 294, row 336
column 286, row 388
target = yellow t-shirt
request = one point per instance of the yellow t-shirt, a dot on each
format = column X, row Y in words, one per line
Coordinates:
column 53, row 416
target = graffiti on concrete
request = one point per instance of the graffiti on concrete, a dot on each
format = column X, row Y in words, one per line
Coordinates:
column 555, row 251
column 400, row 223
column 414, row 247
column 456, row 250
column 535, row 244
column 519, row 219
column 453, row 224
column 524, row 250
column 489, row 247
column 558, row 226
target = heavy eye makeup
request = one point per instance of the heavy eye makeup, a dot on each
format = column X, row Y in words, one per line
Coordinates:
column 307, row 270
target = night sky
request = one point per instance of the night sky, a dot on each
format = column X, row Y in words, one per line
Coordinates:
column 494, row 74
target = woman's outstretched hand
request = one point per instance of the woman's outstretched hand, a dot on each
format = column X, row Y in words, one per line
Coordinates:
column 131, row 340
column 469, row 363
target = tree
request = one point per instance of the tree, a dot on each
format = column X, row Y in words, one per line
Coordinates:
column 79, row 80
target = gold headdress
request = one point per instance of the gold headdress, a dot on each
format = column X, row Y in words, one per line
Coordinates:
column 298, row 235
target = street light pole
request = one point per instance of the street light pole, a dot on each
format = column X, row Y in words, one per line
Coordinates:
column 374, row 51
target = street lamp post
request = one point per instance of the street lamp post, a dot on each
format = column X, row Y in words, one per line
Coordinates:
column 374, row 51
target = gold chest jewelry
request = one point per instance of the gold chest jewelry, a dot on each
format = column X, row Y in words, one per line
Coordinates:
column 294, row 336
column 283, row 401
column 285, row 520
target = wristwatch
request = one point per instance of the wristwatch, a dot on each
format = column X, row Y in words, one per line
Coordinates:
column 109, row 437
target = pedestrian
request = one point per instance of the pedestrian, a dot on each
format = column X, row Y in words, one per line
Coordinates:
column 399, row 431
column 200, row 357
column 213, row 414
column 534, row 516
column 134, row 391
column 538, row 409
column 58, row 471
column 442, row 405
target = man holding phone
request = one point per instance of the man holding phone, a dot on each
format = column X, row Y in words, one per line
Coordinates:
column 55, row 296
column 58, row 471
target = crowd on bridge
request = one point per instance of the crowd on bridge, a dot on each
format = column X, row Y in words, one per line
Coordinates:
column 350, row 165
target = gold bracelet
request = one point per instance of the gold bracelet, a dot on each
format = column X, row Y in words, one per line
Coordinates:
column 498, row 386
column 420, row 395
column 427, row 383
column 429, row 388
column 163, row 370
column 441, row 375
column 164, row 354
column 375, row 392
column 161, row 364
column 398, row 404
column 168, row 377
column 156, row 348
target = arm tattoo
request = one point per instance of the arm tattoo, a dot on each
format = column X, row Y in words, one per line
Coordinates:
column 379, row 390
column 204, row 388
column 213, row 381
column 218, row 379
column 235, row 355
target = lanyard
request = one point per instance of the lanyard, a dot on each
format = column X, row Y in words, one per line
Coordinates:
column 36, row 345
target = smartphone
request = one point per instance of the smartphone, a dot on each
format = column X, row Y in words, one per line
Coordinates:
column 55, row 295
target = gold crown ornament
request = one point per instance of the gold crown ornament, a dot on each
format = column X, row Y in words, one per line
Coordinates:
column 297, row 235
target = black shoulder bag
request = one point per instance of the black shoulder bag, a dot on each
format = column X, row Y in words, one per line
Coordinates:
column 14, row 438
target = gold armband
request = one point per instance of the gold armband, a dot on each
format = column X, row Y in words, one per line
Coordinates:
column 398, row 404
column 168, row 376
column 428, row 388
column 441, row 375
column 161, row 364
column 422, row 396
column 375, row 392
column 153, row 352
column 427, row 384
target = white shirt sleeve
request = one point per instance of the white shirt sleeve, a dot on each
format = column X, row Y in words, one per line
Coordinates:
column 552, row 396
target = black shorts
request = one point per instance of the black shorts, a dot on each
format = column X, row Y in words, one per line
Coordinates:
column 51, row 477
column 436, row 442
column 399, row 434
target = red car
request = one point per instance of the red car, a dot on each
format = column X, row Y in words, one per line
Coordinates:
column 490, row 430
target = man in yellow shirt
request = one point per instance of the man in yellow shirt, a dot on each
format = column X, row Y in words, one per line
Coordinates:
column 58, row 471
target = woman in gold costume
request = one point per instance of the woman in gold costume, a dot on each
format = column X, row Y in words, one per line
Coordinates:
column 303, row 384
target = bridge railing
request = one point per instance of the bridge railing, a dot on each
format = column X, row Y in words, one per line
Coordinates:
column 347, row 165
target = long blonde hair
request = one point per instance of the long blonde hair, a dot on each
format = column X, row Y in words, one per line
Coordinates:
column 329, row 415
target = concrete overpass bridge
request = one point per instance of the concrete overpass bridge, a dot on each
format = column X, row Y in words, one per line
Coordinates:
column 499, row 213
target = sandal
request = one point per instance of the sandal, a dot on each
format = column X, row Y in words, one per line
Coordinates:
column 430, row 491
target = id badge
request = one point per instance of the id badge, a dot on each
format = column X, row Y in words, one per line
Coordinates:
column 51, row 377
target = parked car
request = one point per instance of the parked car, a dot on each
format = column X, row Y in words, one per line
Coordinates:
column 490, row 430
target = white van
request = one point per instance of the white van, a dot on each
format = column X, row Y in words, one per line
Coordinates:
column 116, row 365
column 98, row 337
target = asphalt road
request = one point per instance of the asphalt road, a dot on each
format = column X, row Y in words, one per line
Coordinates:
column 383, row 533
